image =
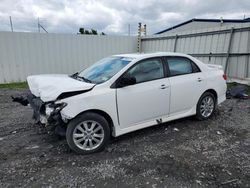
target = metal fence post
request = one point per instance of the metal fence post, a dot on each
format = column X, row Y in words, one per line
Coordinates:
column 175, row 42
column 229, row 49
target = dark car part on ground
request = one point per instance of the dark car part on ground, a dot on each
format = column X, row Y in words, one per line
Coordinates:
column 20, row 99
column 238, row 91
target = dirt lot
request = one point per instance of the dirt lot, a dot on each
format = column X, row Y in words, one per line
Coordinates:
column 183, row 153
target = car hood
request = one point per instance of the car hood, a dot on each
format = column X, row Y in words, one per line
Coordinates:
column 49, row 86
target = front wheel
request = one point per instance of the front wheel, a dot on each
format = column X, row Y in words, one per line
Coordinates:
column 88, row 133
column 206, row 106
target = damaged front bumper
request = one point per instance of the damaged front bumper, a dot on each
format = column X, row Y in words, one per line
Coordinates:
column 45, row 113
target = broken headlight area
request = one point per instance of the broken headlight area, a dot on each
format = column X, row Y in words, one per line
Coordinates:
column 54, row 108
column 46, row 113
column 54, row 118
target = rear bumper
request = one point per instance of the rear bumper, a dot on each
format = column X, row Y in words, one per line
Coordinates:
column 221, row 99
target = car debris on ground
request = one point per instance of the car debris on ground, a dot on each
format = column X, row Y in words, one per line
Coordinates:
column 176, row 129
column 238, row 91
column 218, row 132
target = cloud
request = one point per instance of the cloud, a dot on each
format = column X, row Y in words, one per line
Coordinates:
column 113, row 16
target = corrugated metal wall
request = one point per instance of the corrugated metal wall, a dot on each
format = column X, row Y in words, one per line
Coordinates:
column 210, row 46
column 23, row 54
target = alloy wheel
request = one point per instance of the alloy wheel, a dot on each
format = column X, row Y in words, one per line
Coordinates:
column 88, row 135
column 207, row 106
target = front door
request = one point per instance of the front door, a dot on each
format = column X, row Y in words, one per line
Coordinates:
column 146, row 100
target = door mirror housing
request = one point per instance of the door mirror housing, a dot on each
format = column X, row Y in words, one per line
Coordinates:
column 126, row 81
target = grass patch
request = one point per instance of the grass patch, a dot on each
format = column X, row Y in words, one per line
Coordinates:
column 232, row 84
column 15, row 85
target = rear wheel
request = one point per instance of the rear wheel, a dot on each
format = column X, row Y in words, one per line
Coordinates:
column 88, row 133
column 206, row 106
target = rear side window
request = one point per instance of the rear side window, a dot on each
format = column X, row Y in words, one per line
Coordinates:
column 179, row 66
column 146, row 70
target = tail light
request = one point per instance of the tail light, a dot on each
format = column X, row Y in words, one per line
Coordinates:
column 225, row 76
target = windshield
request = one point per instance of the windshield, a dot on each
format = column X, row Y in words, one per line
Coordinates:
column 104, row 69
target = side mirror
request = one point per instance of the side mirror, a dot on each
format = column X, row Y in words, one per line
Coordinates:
column 126, row 81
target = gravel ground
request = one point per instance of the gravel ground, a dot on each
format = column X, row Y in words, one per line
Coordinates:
column 183, row 153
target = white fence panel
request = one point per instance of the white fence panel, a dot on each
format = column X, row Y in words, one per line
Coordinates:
column 23, row 54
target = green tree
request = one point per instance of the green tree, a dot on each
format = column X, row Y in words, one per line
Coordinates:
column 87, row 32
column 94, row 32
column 83, row 31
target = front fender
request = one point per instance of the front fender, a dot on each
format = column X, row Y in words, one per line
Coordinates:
column 103, row 100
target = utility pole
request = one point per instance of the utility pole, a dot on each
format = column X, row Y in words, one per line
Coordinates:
column 128, row 29
column 139, row 38
column 11, row 26
column 38, row 25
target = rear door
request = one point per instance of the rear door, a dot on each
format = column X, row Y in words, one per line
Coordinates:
column 148, row 98
column 187, row 84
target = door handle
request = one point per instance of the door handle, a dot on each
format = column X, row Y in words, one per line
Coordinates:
column 163, row 86
column 199, row 79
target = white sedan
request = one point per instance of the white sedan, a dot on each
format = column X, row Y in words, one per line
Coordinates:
column 124, row 93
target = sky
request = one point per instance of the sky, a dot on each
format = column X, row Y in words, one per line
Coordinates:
column 113, row 17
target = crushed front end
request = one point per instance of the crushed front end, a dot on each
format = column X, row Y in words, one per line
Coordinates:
column 46, row 96
column 45, row 113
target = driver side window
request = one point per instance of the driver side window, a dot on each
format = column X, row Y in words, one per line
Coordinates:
column 147, row 70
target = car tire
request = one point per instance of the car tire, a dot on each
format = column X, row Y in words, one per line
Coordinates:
column 88, row 133
column 206, row 106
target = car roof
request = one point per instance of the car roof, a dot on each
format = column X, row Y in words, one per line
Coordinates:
column 148, row 55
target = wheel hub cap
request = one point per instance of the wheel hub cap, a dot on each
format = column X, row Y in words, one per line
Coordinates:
column 88, row 135
column 207, row 106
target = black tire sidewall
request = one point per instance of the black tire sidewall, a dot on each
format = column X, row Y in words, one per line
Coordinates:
column 199, row 116
column 84, row 117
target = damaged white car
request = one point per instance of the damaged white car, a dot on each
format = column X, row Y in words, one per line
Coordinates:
column 124, row 93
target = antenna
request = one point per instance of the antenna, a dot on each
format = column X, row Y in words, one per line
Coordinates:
column 38, row 25
column 43, row 28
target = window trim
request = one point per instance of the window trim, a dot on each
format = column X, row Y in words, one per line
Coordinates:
column 193, row 64
column 140, row 61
